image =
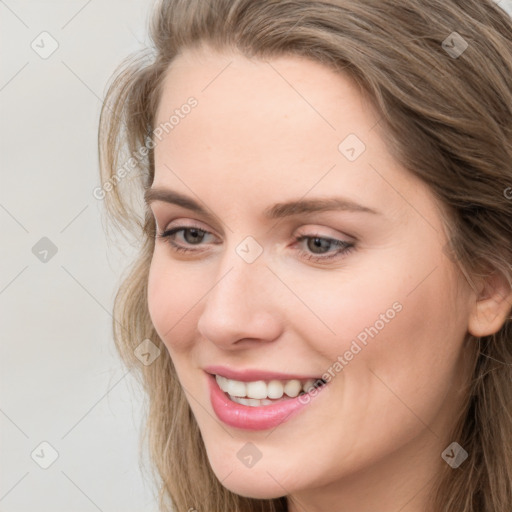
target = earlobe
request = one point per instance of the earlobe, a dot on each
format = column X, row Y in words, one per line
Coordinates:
column 492, row 306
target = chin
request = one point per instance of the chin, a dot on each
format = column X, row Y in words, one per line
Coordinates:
column 261, row 481
column 258, row 485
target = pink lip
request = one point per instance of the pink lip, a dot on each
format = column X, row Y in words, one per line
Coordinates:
column 252, row 375
column 254, row 418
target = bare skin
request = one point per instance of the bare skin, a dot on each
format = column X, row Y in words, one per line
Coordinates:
column 269, row 132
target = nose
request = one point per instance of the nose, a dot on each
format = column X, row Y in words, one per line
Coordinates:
column 239, row 308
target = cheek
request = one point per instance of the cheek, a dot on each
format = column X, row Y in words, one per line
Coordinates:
column 396, row 323
column 172, row 295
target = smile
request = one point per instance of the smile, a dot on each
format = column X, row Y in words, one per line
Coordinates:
column 260, row 404
column 260, row 393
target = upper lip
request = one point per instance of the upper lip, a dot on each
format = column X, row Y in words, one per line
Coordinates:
column 253, row 374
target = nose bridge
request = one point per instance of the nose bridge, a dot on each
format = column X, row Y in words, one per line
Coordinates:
column 241, row 268
column 238, row 305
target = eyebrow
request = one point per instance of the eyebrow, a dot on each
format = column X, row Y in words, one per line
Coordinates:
column 277, row 211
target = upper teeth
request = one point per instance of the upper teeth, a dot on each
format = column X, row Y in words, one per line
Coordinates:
column 260, row 389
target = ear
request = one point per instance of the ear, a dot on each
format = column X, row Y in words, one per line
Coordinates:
column 492, row 306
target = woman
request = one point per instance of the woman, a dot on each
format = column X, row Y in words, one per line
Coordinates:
column 321, row 309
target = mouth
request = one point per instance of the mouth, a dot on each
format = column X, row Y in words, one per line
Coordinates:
column 262, row 403
column 260, row 393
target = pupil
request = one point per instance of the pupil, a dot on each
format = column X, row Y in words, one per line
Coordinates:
column 318, row 242
column 195, row 234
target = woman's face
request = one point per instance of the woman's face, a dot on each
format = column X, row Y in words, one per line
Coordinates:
column 368, row 300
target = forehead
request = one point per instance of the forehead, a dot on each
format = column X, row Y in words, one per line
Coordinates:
column 261, row 128
column 284, row 88
column 258, row 108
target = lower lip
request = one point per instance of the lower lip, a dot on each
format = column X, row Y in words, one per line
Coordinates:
column 255, row 418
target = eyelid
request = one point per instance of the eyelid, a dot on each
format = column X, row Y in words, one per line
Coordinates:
column 161, row 214
column 192, row 225
column 321, row 233
column 304, row 230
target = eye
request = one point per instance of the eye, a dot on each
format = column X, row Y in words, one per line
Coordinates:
column 317, row 245
column 192, row 235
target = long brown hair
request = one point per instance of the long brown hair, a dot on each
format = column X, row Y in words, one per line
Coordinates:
column 439, row 72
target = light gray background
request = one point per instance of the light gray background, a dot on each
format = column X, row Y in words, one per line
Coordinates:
column 61, row 381
column 60, row 378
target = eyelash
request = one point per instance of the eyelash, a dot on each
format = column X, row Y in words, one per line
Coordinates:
column 345, row 247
